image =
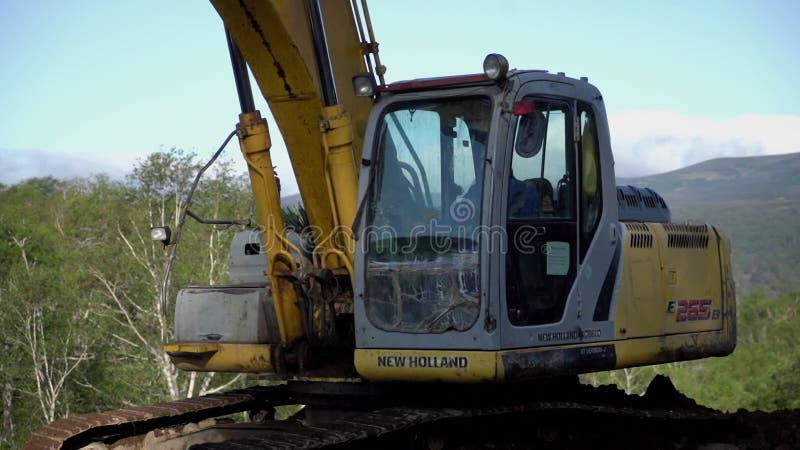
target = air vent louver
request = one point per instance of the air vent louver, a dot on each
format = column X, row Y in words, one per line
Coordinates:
column 640, row 235
column 686, row 236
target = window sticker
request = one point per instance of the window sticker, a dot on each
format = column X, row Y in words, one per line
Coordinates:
column 557, row 258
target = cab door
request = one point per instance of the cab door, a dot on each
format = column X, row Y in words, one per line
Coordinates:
column 559, row 272
column 541, row 220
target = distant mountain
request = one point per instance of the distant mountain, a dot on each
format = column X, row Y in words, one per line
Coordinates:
column 755, row 201
column 773, row 177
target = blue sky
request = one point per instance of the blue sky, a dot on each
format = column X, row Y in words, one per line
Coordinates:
column 88, row 86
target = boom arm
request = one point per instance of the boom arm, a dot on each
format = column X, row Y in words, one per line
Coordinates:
column 303, row 56
column 276, row 39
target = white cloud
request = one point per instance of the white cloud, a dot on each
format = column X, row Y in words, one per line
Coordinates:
column 644, row 142
column 20, row 164
column 655, row 141
column 17, row 165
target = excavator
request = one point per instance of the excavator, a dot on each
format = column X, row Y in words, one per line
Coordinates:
column 469, row 252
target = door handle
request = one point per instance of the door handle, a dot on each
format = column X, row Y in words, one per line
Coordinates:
column 613, row 234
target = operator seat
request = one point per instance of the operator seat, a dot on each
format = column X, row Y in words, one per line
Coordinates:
column 544, row 189
column 523, row 199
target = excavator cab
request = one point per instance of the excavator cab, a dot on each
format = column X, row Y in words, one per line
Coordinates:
column 516, row 266
column 490, row 244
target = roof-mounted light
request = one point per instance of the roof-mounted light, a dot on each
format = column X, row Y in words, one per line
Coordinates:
column 364, row 85
column 495, row 66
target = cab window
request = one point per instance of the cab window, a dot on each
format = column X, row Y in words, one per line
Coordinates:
column 539, row 182
column 423, row 260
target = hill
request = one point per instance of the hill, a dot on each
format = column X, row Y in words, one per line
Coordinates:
column 768, row 178
column 755, row 201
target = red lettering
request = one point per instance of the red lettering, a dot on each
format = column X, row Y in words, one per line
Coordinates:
column 691, row 310
column 681, row 315
column 691, row 313
column 704, row 312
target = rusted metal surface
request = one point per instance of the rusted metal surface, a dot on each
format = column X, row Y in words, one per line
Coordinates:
column 80, row 430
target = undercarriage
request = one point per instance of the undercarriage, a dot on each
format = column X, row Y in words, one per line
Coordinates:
column 556, row 413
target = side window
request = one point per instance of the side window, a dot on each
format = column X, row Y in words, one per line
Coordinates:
column 540, row 182
column 541, row 261
column 591, row 197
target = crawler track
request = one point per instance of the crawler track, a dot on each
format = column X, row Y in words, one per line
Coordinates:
column 526, row 416
column 80, row 430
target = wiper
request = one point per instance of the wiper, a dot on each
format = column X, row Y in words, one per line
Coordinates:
column 470, row 303
column 360, row 211
column 417, row 161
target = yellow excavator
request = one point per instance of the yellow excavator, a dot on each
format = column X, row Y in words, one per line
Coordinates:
column 466, row 237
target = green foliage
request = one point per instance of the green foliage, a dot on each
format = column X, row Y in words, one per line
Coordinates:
column 296, row 221
column 295, row 217
column 79, row 287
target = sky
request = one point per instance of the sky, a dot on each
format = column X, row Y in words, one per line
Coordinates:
column 92, row 86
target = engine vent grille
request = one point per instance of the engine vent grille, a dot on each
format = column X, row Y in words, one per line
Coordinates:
column 640, row 235
column 637, row 204
column 627, row 198
column 686, row 236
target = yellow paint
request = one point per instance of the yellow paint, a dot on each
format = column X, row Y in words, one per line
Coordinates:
column 639, row 304
column 337, row 137
column 691, row 274
column 426, row 365
column 255, row 144
column 221, row 357
column 193, row 348
column 347, row 60
column 655, row 279
column 275, row 39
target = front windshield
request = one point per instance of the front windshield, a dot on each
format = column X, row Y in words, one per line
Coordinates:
column 423, row 272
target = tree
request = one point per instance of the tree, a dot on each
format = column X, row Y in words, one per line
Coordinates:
column 155, row 192
column 46, row 351
column 79, row 288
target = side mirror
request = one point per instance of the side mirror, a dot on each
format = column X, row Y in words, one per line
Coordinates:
column 162, row 234
column 531, row 129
